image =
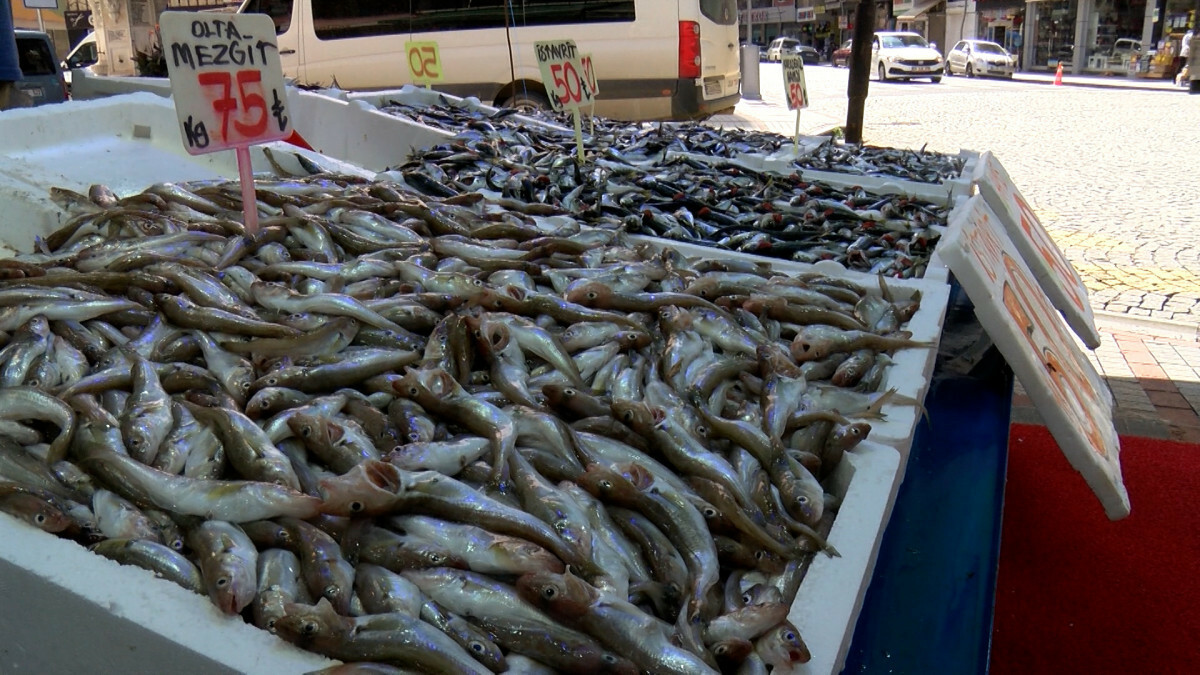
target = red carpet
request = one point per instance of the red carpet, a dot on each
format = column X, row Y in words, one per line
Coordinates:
column 1078, row 593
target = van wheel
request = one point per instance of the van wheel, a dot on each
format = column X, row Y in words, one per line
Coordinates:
column 882, row 72
column 527, row 101
column 935, row 80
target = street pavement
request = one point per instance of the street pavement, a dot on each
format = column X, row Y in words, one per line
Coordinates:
column 1108, row 163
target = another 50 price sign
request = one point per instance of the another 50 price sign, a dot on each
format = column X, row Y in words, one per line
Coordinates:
column 424, row 62
column 793, row 82
column 570, row 82
column 226, row 80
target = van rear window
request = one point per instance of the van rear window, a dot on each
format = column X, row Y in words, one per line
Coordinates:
column 280, row 12
column 723, row 12
column 35, row 56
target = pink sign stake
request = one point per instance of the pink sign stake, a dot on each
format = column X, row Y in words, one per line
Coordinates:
column 249, row 196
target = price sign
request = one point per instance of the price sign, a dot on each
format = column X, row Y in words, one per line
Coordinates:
column 424, row 62
column 793, row 82
column 228, row 88
column 1053, row 271
column 1061, row 382
column 589, row 74
column 226, row 79
column 567, row 81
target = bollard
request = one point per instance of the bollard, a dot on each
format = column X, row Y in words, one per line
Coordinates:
column 750, row 89
column 1058, row 75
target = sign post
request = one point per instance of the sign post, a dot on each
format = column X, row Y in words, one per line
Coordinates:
column 796, row 89
column 39, row 5
column 424, row 63
column 570, row 83
column 228, row 88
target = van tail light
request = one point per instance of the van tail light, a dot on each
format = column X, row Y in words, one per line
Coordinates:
column 689, row 50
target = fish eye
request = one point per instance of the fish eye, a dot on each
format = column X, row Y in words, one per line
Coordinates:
column 355, row 507
column 272, row 381
column 309, row 628
column 414, row 436
column 331, row 591
column 306, row 431
column 35, row 383
column 177, row 544
column 477, row 647
column 39, row 518
column 789, row 636
column 569, row 392
column 720, row 650
column 802, row 500
column 549, row 592
column 135, row 442
column 412, row 391
column 244, row 386
column 271, row 624
column 591, row 295
column 747, row 598
column 758, row 555
column 702, row 430
column 627, row 416
column 222, row 582
column 476, row 282
column 710, row 512
column 609, row 658
column 437, row 558
column 605, row 485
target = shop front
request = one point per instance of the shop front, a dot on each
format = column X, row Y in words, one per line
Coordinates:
column 821, row 26
column 926, row 17
column 1002, row 22
column 1096, row 37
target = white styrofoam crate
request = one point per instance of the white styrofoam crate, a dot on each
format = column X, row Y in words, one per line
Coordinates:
column 133, row 611
column 912, row 369
column 68, row 610
column 332, row 125
column 420, row 96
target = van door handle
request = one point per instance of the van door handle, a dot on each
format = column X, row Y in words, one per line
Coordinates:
column 286, row 51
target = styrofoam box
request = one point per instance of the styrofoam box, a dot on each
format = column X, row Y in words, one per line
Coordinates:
column 345, row 130
column 422, row 97
column 127, row 143
column 912, row 369
column 121, row 619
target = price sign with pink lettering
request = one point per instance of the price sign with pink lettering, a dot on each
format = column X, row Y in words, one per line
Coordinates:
column 794, row 84
column 1011, row 306
column 1053, row 271
column 226, row 79
column 569, row 84
column 228, row 88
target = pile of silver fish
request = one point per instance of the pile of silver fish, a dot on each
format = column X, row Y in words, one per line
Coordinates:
column 658, row 138
column 684, row 198
column 446, row 435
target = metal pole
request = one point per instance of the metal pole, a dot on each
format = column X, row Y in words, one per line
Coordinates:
column 860, row 69
column 41, row 24
column 750, row 21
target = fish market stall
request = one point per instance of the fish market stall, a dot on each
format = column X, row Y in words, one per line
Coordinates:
column 377, row 352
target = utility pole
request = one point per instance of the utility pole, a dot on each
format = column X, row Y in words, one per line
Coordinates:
column 860, row 69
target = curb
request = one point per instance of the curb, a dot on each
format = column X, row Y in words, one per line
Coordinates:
column 1116, row 84
column 1150, row 326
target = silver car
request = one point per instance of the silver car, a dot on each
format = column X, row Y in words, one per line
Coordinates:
column 980, row 57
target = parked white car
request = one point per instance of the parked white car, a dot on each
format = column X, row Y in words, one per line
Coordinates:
column 781, row 46
column 903, row 55
column 980, row 57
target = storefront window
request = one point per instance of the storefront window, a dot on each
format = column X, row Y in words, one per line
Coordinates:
column 1055, row 33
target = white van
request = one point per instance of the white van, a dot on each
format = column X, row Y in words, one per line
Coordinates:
column 654, row 59
column 83, row 55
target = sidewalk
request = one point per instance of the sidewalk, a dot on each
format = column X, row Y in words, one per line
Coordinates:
column 1100, row 81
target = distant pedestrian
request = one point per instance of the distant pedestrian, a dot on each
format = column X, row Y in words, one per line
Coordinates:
column 10, row 65
column 1185, row 52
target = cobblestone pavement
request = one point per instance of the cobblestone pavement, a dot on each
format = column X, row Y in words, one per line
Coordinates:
column 1103, row 161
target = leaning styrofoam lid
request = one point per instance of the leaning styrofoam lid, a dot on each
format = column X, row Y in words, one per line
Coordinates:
column 1014, row 310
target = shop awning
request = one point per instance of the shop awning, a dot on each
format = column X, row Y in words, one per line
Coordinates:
column 916, row 9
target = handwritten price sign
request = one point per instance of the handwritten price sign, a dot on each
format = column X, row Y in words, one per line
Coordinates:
column 424, row 62
column 569, row 83
column 793, row 82
column 226, row 79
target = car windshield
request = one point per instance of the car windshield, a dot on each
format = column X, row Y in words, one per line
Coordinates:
column 989, row 48
column 897, row 41
column 36, row 58
column 846, row 44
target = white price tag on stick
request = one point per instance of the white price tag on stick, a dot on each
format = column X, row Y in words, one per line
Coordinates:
column 796, row 89
column 228, row 87
column 569, row 83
